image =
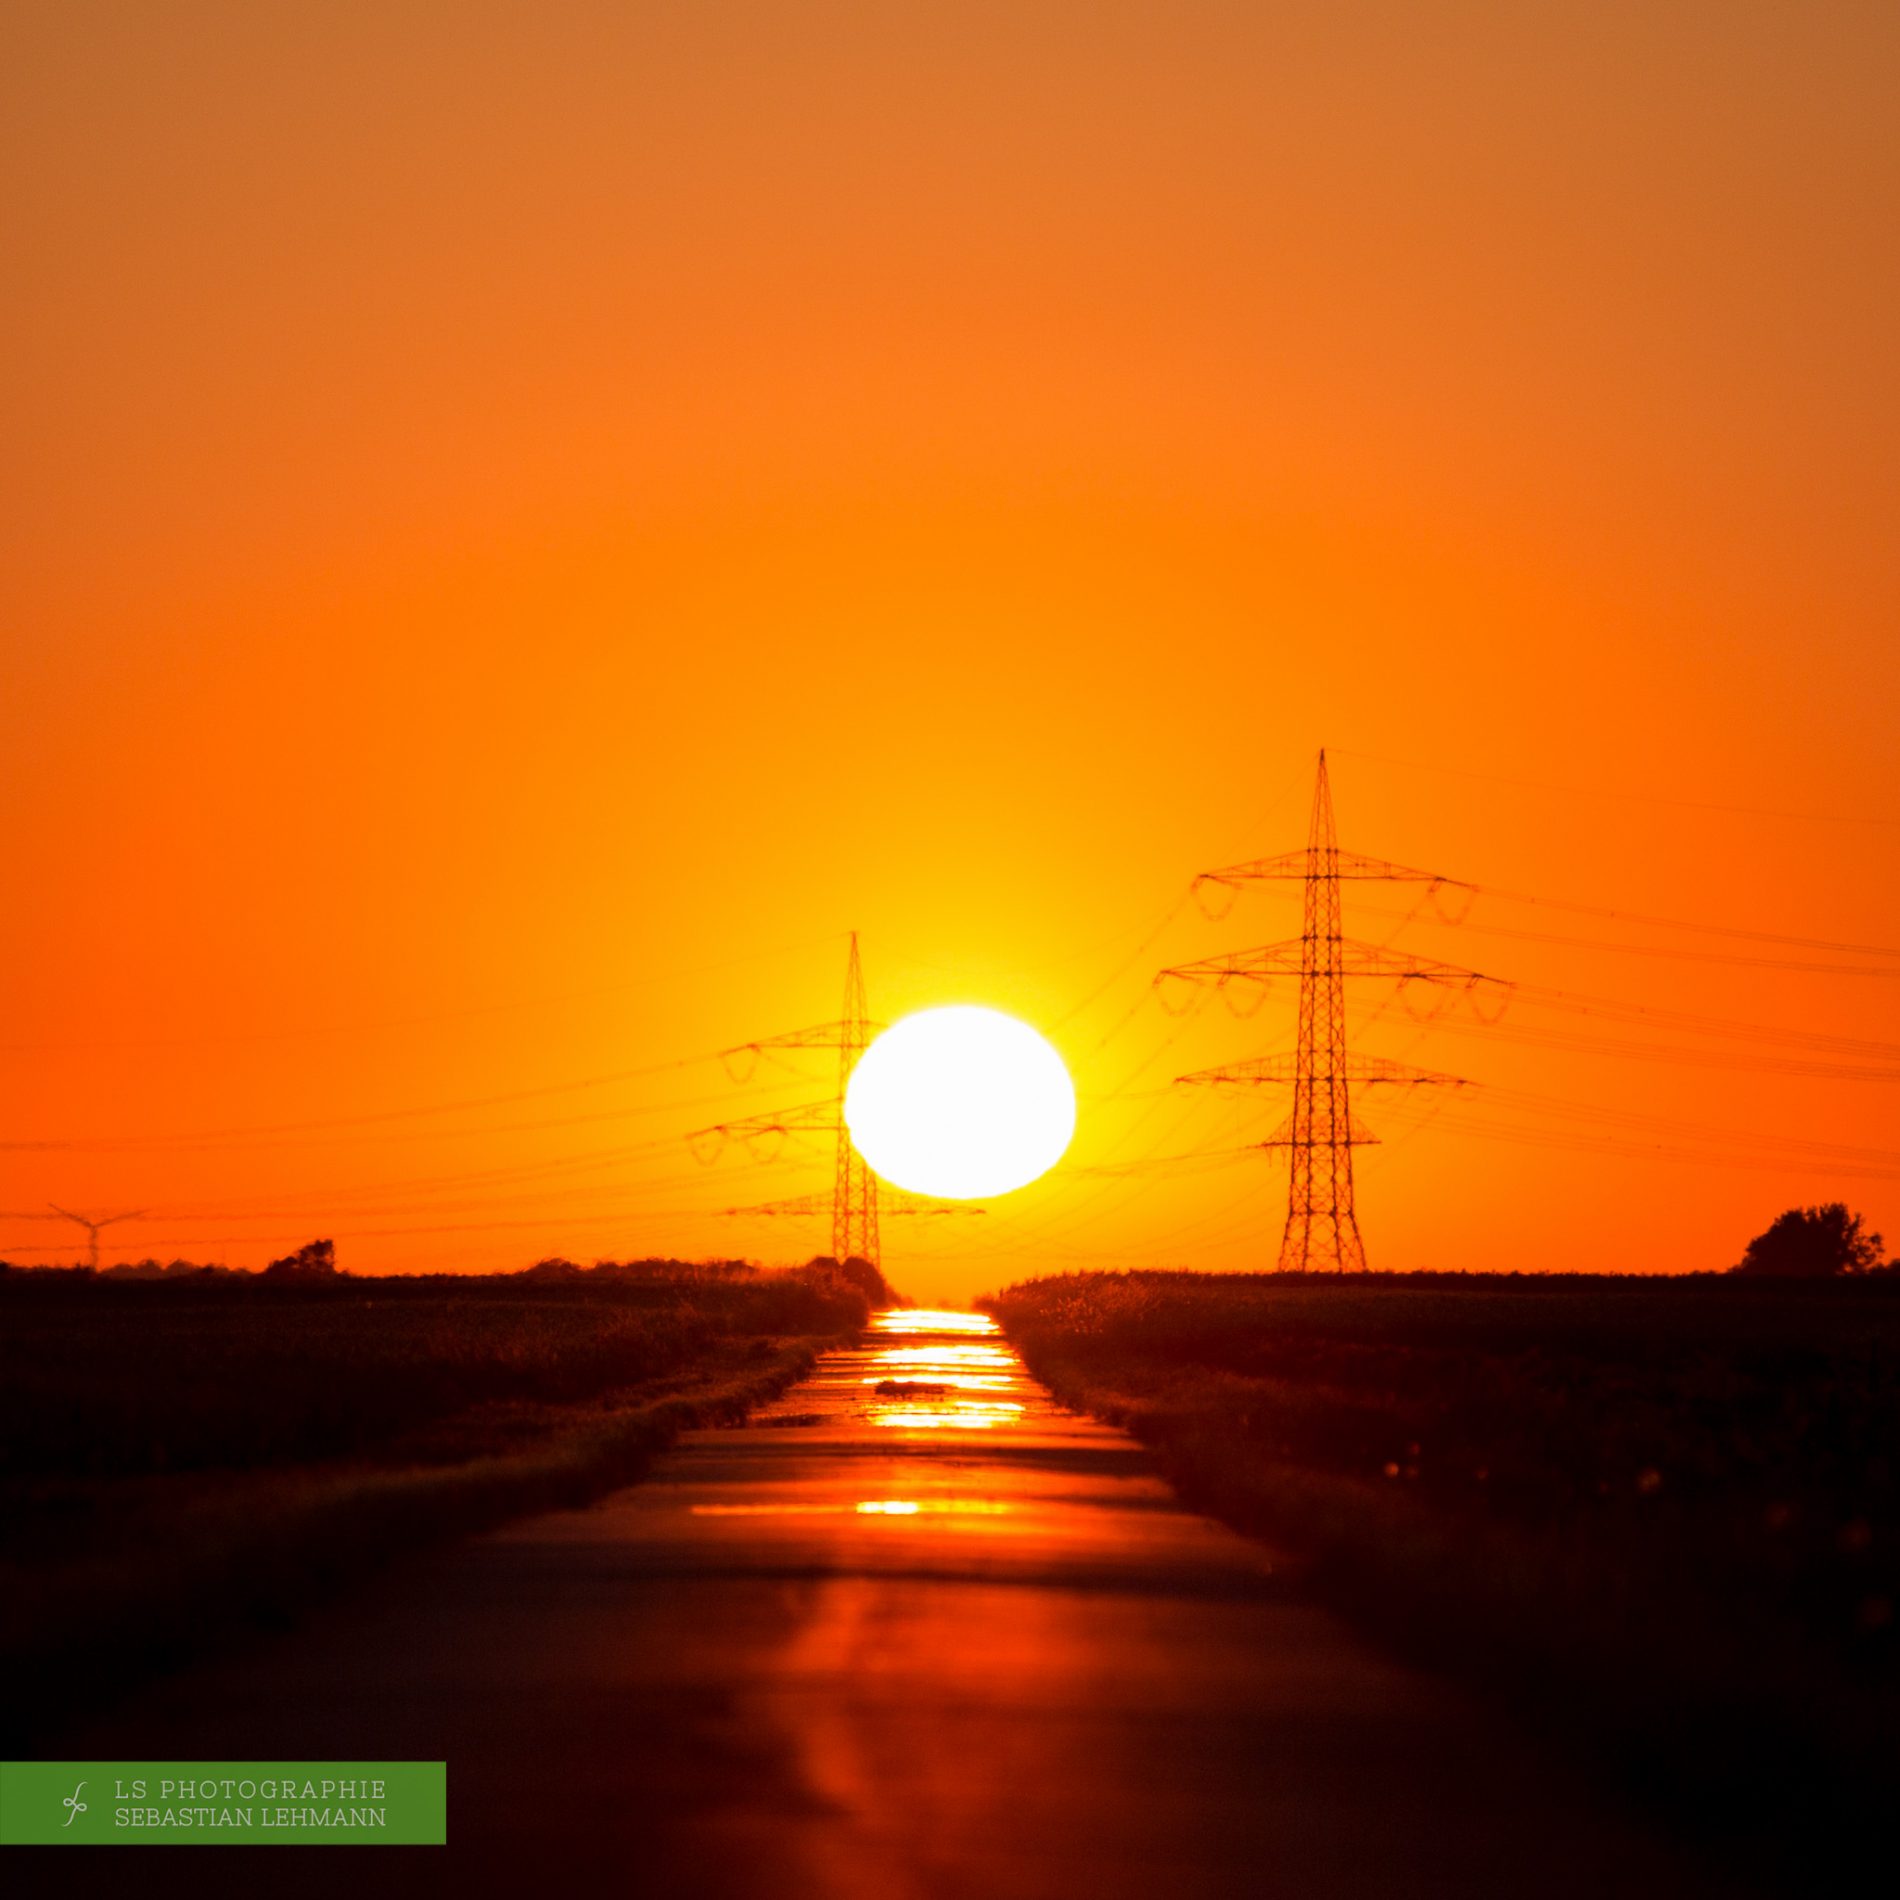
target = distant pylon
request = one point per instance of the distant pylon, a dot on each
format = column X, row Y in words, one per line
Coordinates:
column 1320, row 1137
column 854, row 1201
column 854, row 1232
column 1322, row 1222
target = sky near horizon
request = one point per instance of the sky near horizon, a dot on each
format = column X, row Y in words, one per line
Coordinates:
column 525, row 525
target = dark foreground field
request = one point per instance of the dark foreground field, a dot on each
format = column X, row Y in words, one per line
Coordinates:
column 179, row 1459
column 1660, row 1516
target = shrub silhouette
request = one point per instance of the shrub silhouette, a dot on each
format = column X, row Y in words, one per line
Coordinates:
column 1812, row 1243
column 859, row 1273
column 315, row 1260
column 556, row 1269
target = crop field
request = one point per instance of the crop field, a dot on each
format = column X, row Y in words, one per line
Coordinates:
column 181, row 1459
column 1660, row 1515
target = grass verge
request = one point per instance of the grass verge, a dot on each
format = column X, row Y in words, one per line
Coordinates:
column 1658, row 1519
column 135, row 1543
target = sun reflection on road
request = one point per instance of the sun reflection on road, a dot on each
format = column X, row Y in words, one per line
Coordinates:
column 937, row 1379
column 915, row 1375
column 916, row 1371
column 929, row 1319
column 869, row 1507
column 960, row 1417
column 997, row 1356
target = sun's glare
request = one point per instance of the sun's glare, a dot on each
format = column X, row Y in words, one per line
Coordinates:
column 961, row 1102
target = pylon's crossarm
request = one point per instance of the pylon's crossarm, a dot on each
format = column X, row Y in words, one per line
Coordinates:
column 809, row 1118
column 1269, row 960
column 819, row 1036
column 1309, row 862
column 1290, row 1134
column 743, row 1058
column 1367, row 1071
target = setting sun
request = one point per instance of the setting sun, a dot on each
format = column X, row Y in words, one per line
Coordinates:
column 960, row 1102
column 642, row 640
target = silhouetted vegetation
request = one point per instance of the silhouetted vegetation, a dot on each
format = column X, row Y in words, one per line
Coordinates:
column 184, row 1452
column 101, row 1378
column 319, row 1257
column 151, row 1270
column 864, row 1276
column 1660, row 1514
column 1812, row 1243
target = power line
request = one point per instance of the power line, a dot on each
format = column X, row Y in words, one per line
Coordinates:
column 1598, row 792
column 1681, row 923
column 1673, row 953
column 555, row 1000
column 94, row 1224
column 256, row 1132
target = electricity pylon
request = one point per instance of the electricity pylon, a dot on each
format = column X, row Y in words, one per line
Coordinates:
column 92, row 1227
column 1322, row 1223
column 854, row 1232
column 854, row 1196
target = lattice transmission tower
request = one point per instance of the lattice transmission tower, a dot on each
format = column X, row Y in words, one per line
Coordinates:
column 1319, row 1135
column 854, row 1187
column 857, row 1201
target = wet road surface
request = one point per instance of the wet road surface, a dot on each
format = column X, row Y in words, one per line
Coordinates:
column 914, row 1633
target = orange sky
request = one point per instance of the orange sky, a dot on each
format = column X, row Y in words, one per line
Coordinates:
column 522, row 526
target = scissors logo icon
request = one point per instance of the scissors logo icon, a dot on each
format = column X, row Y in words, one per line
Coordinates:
column 73, row 1801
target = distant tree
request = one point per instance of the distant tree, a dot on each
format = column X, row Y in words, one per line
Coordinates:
column 316, row 1259
column 861, row 1274
column 555, row 1268
column 150, row 1269
column 1812, row 1243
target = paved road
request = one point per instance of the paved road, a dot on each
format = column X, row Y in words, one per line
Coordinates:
column 938, row 1643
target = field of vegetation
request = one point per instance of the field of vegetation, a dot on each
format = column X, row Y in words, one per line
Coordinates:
column 181, row 1457
column 1660, row 1515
